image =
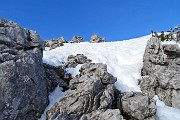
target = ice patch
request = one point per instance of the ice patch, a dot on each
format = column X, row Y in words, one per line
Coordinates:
column 54, row 97
column 74, row 71
column 164, row 112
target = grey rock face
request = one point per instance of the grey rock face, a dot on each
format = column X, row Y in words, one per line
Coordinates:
column 88, row 94
column 54, row 77
column 77, row 39
column 148, row 85
column 137, row 106
column 96, row 39
column 162, row 70
column 23, row 93
column 73, row 61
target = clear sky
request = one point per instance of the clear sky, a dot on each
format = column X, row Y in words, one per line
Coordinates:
column 113, row 19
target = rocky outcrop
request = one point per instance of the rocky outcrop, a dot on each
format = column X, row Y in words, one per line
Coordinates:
column 95, row 39
column 54, row 43
column 54, row 77
column 138, row 106
column 23, row 93
column 77, row 39
column 161, row 72
column 178, row 37
column 61, row 40
column 73, row 61
column 91, row 91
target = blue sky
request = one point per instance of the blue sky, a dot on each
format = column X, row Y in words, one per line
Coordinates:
column 113, row 19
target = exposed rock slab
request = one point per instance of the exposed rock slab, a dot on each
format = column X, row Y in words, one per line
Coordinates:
column 23, row 93
column 137, row 106
column 88, row 94
column 161, row 71
column 55, row 77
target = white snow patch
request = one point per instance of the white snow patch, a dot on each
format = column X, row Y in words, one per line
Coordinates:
column 123, row 58
column 170, row 42
column 164, row 112
column 74, row 71
column 54, row 97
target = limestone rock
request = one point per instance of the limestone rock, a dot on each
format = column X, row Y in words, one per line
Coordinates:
column 178, row 37
column 109, row 114
column 88, row 93
column 54, row 43
column 73, row 61
column 77, row 39
column 137, row 106
column 62, row 40
column 55, row 77
column 23, row 93
column 95, row 39
column 148, row 85
column 161, row 71
column 99, row 70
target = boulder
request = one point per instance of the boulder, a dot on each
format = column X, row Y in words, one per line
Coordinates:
column 178, row 37
column 23, row 93
column 88, row 93
column 62, row 40
column 138, row 106
column 95, row 39
column 109, row 114
column 73, row 61
column 77, row 39
column 161, row 71
column 100, row 70
column 55, row 77
column 52, row 44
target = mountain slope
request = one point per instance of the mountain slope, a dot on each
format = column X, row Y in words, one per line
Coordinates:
column 123, row 58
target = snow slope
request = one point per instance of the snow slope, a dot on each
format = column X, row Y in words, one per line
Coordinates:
column 124, row 60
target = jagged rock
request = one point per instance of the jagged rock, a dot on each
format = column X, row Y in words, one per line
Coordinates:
column 88, row 94
column 99, row 70
column 62, row 40
column 73, row 61
column 137, row 106
column 178, row 37
column 176, row 98
column 154, row 58
column 54, row 43
column 54, row 77
column 148, row 85
column 109, row 114
column 165, row 95
column 96, row 39
column 23, row 93
column 162, row 70
column 172, row 51
column 77, row 39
